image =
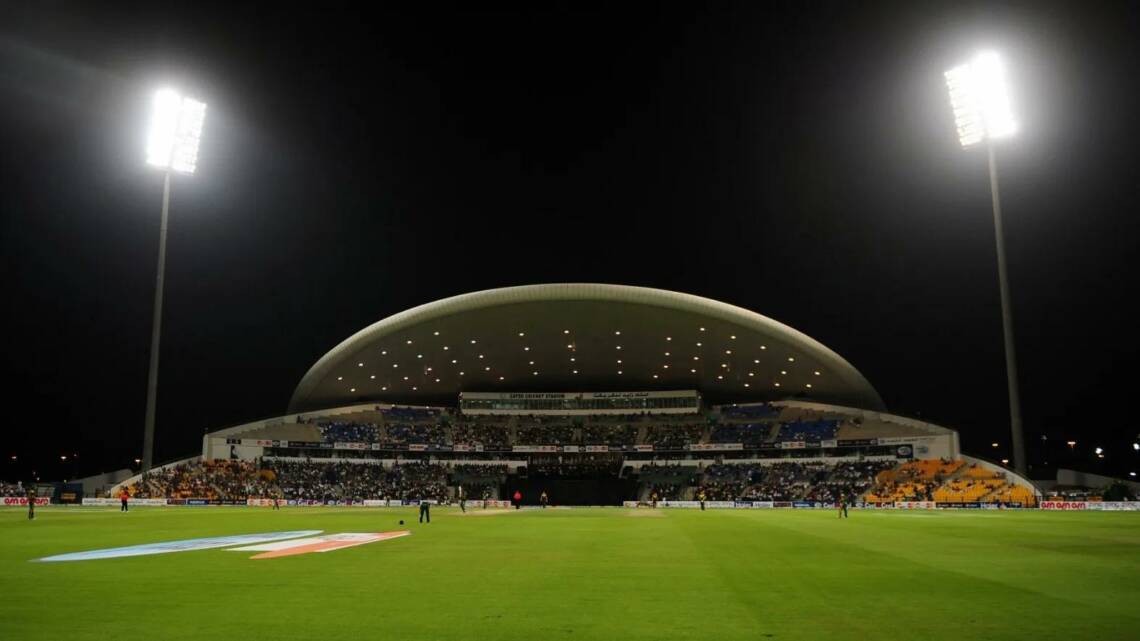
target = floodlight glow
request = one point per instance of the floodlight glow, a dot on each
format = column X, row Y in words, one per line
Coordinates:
column 979, row 97
column 175, row 131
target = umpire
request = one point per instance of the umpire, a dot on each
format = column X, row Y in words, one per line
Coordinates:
column 425, row 510
column 31, row 502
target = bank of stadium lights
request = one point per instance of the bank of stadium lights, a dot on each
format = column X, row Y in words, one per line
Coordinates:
column 995, row 445
column 340, row 378
column 980, row 101
column 173, row 138
column 1136, row 446
column 409, row 341
column 979, row 98
column 1098, row 451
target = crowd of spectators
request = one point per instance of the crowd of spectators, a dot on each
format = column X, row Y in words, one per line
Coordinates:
column 583, row 469
column 220, row 479
column 822, row 430
column 664, row 491
column 545, row 435
column 604, row 434
column 673, row 437
column 750, row 434
column 12, row 489
column 430, row 434
column 792, row 481
column 303, row 480
column 491, row 437
column 337, row 432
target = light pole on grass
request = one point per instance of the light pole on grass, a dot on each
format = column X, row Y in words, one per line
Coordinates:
column 979, row 97
column 172, row 145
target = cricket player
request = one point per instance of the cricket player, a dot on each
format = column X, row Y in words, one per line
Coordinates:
column 425, row 510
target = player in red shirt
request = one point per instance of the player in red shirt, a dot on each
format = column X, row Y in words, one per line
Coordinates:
column 518, row 499
column 124, row 496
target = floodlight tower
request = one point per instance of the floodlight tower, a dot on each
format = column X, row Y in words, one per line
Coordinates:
column 172, row 145
column 980, row 100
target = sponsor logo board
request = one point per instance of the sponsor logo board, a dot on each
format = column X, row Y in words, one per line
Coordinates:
column 1064, row 505
column 23, row 500
column 1114, row 506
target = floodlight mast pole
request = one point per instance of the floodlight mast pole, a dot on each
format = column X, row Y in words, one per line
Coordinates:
column 1017, row 432
column 156, row 332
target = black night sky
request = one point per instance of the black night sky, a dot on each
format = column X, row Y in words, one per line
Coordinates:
column 798, row 160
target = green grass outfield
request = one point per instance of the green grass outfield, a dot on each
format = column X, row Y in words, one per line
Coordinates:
column 581, row 574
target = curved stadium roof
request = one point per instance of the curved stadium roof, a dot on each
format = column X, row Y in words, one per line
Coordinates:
column 579, row 338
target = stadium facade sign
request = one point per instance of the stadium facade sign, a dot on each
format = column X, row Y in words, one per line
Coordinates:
column 185, row 545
